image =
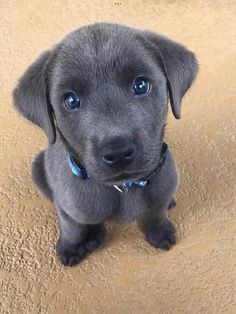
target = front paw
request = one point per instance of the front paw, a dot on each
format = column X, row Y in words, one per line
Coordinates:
column 161, row 236
column 95, row 237
column 71, row 254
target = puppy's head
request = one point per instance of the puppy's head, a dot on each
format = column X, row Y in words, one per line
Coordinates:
column 107, row 88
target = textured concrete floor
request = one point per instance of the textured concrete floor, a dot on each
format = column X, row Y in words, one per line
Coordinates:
column 126, row 275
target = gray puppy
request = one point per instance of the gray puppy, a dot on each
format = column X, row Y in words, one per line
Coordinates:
column 101, row 96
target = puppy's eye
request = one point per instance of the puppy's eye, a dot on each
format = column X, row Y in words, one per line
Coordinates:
column 141, row 86
column 72, row 101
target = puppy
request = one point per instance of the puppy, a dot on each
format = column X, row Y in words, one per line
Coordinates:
column 101, row 96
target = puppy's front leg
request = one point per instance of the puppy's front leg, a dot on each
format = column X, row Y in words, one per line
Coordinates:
column 77, row 240
column 158, row 229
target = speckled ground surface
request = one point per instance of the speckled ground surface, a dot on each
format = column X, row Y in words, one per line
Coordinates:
column 126, row 275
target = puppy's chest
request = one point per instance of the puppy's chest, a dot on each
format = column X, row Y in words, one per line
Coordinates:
column 132, row 205
column 100, row 204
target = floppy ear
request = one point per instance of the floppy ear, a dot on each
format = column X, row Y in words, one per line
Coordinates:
column 31, row 97
column 178, row 63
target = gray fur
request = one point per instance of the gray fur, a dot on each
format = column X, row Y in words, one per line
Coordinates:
column 100, row 62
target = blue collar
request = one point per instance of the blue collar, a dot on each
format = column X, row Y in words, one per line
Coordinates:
column 78, row 171
column 126, row 185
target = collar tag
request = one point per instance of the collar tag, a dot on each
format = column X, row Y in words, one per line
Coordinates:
column 124, row 187
column 121, row 188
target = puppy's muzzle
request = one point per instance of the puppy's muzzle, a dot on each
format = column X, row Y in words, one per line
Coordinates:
column 118, row 152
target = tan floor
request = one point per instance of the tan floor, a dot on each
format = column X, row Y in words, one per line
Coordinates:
column 126, row 275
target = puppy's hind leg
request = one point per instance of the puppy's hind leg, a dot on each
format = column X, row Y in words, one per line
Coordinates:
column 39, row 176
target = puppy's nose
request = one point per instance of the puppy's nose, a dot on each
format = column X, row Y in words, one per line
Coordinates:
column 119, row 151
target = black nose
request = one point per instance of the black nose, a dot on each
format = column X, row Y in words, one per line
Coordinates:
column 118, row 152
